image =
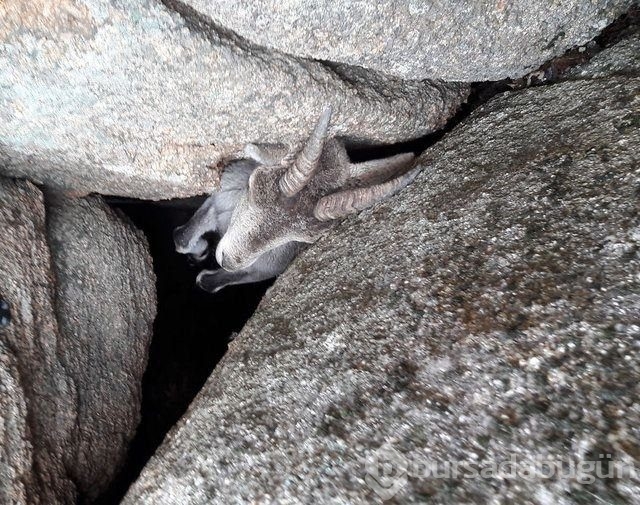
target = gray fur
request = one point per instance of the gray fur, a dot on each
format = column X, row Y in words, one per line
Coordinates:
column 272, row 203
column 215, row 213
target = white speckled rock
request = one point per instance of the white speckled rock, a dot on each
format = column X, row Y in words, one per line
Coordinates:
column 457, row 40
column 491, row 310
column 134, row 98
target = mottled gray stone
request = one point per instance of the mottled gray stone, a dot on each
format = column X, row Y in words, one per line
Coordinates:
column 41, row 420
column 72, row 358
column 15, row 450
column 135, row 98
column 621, row 59
column 490, row 310
column 105, row 295
column 459, row 40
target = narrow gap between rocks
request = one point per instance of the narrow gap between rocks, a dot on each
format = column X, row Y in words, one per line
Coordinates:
column 193, row 328
column 191, row 331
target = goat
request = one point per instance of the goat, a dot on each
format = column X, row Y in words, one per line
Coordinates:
column 272, row 204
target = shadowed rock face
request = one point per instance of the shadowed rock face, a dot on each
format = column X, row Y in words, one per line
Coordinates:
column 621, row 59
column 144, row 98
column 491, row 309
column 80, row 285
column 415, row 39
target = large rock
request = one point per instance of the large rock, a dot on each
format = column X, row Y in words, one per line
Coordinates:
column 490, row 311
column 461, row 40
column 105, row 294
column 15, row 451
column 72, row 358
column 40, row 417
column 138, row 99
column 621, row 59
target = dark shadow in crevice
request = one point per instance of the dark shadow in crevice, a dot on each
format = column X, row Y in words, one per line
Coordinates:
column 191, row 332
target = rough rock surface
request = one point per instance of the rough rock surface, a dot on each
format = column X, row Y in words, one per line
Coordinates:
column 489, row 311
column 142, row 98
column 72, row 358
column 105, row 299
column 459, row 40
column 33, row 380
column 621, row 59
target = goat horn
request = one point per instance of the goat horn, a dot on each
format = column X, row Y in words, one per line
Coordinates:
column 377, row 171
column 339, row 205
column 306, row 163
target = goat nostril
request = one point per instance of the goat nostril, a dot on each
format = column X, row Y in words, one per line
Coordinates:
column 177, row 235
column 222, row 259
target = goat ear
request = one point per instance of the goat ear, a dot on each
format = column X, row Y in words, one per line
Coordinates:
column 255, row 153
column 340, row 205
column 306, row 162
column 264, row 154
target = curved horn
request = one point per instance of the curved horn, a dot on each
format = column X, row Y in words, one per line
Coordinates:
column 377, row 171
column 306, row 163
column 339, row 205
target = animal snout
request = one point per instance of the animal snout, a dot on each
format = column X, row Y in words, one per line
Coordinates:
column 187, row 243
column 180, row 239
